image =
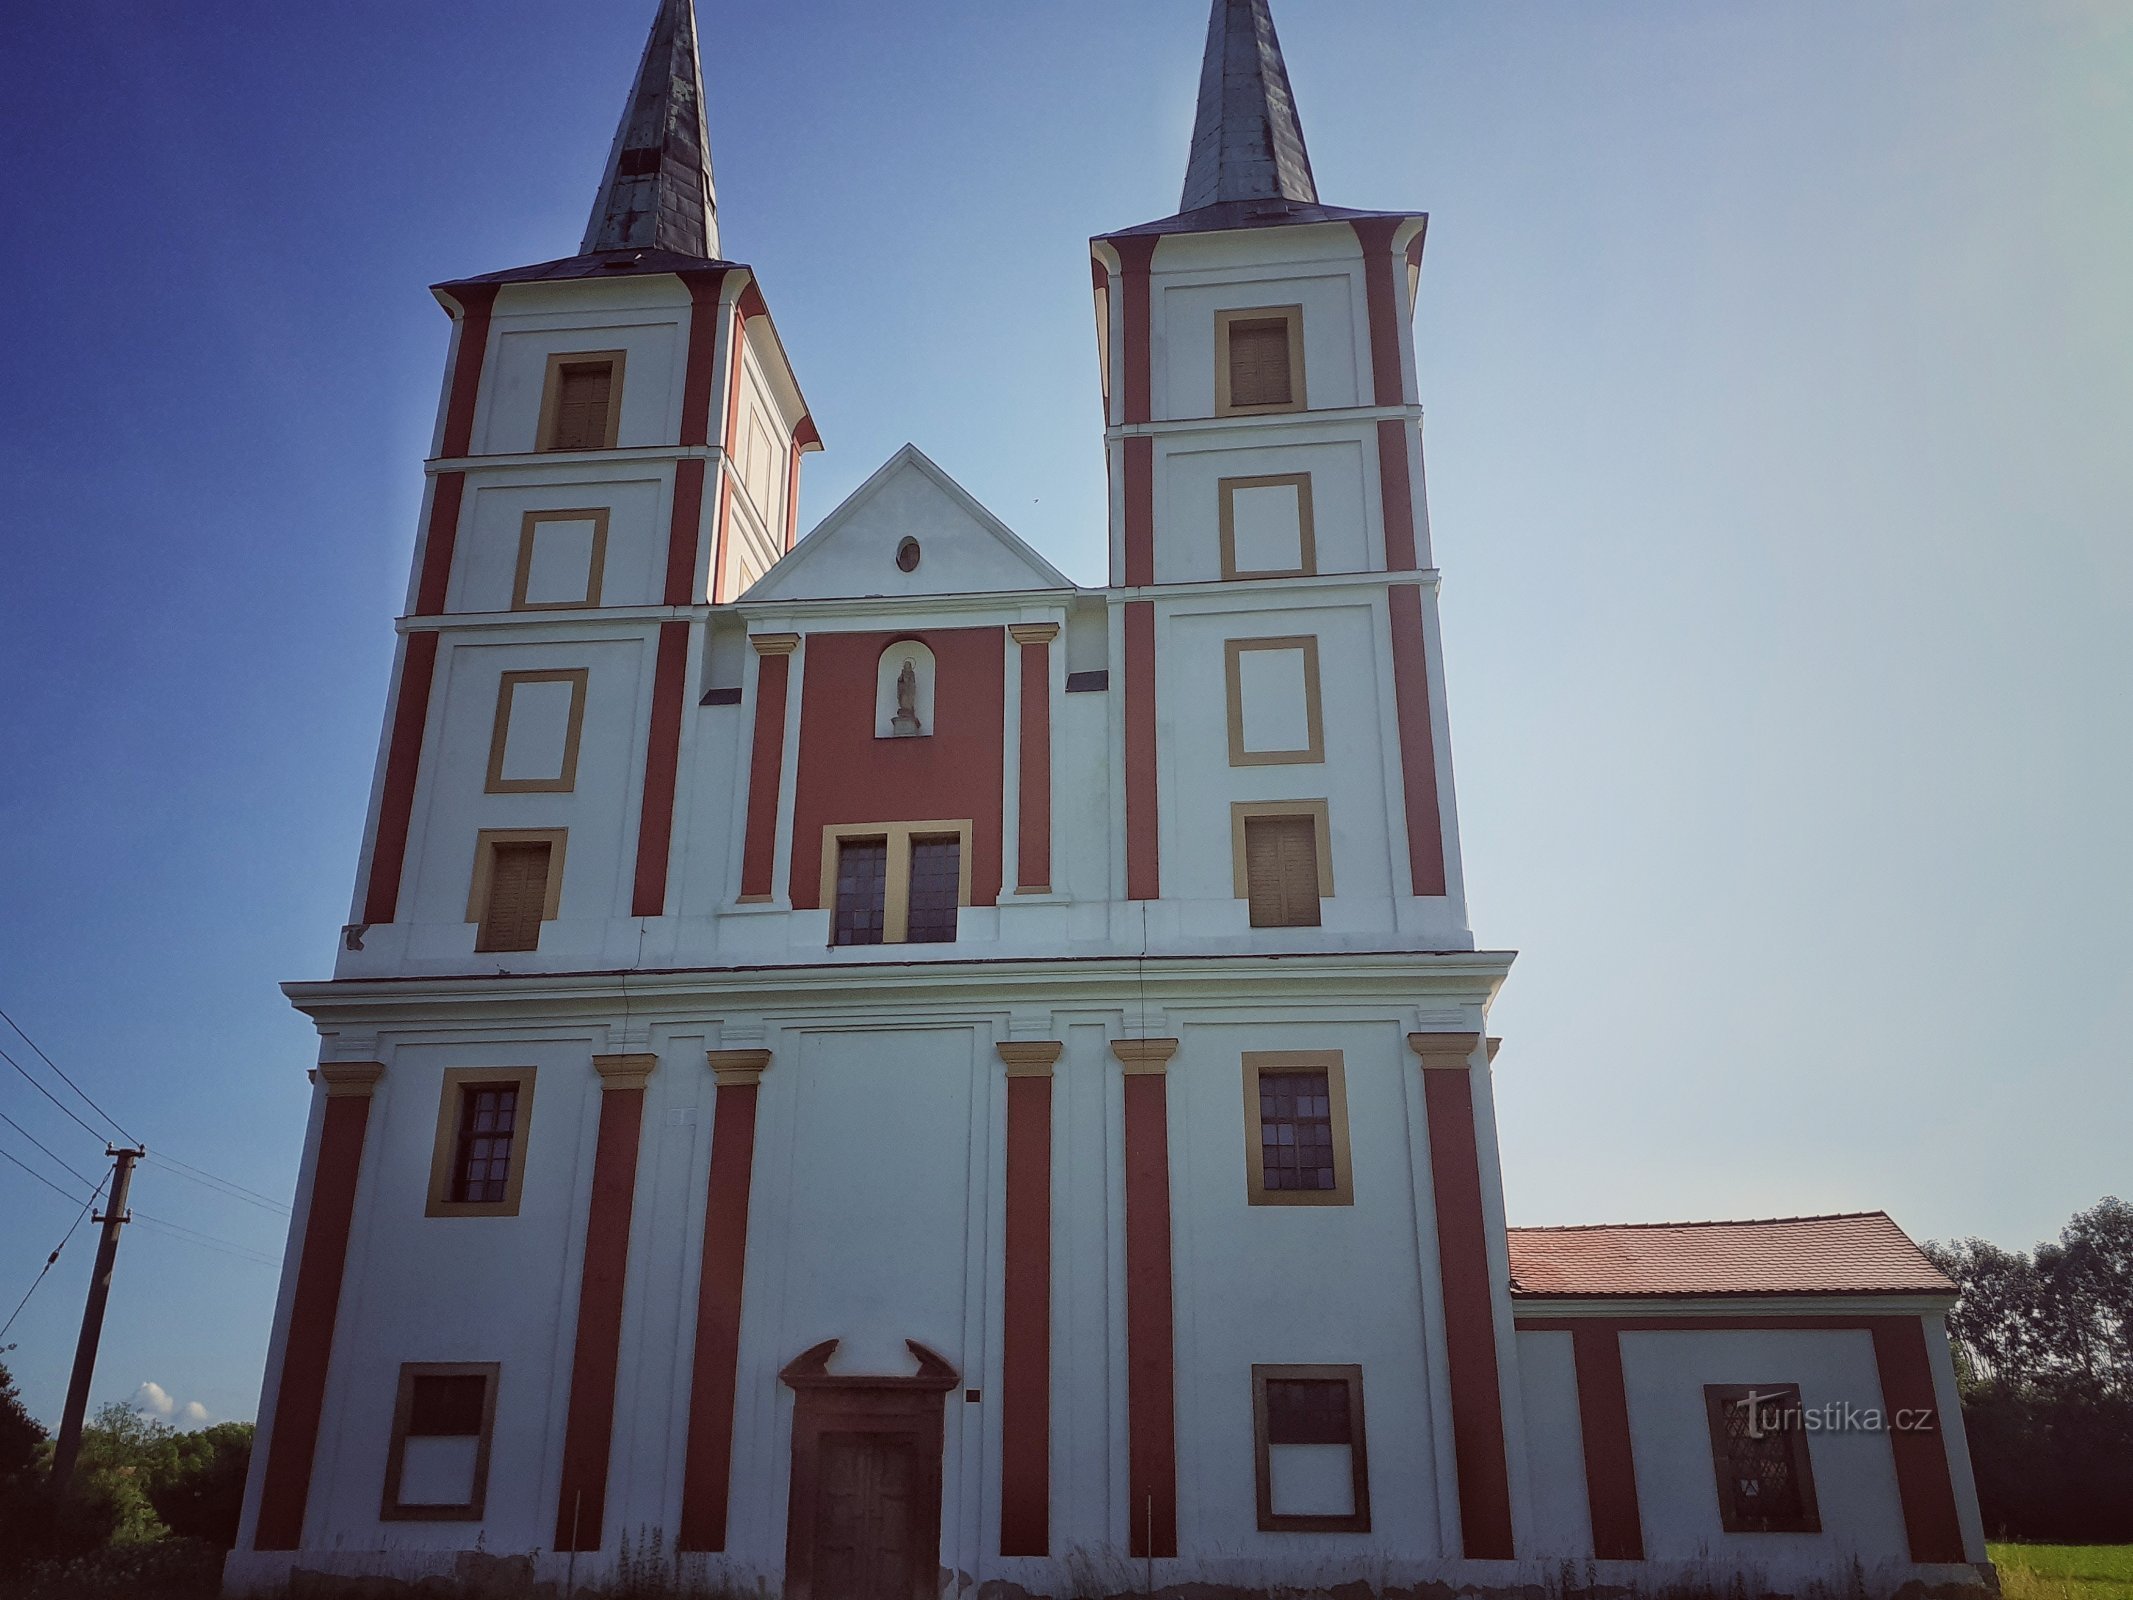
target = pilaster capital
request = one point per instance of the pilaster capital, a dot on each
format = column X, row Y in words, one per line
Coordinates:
column 1029, row 1058
column 350, row 1080
column 1144, row 1057
column 1033, row 632
column 1448, row 1051
column 737, row 1068
column 774, row 644
column 624, row 1072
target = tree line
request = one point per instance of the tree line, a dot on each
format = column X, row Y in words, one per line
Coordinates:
column 2044, row 1357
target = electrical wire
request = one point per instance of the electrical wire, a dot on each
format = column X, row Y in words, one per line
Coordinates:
column 206, row 1179
column 41, row 1178
column 40, row 1144
column 52, row 1260
column 41, row 1089
column 209, row 1241
column 63, row 1078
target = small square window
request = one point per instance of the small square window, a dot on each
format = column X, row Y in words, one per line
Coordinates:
column 517, row 886
column 1312, row 1469
column 437, row 1469
column 1259, row 363
column 862, row 891
column 1296, row 1128
column 1759, row 1450
column 581, row 403
column 478, row 1166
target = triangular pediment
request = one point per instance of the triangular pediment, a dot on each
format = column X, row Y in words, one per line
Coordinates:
column 962, row 547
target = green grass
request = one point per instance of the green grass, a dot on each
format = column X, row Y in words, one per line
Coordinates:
column 2065, row 1571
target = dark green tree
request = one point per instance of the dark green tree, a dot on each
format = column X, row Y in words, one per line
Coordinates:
column 22, row 1499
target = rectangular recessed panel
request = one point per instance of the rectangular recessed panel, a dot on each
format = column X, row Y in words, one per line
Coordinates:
column 559, row 566
column 438, row 1470
column 1312, row 1480
column 1267, row 527
column 537, row 736
column 1274, row 697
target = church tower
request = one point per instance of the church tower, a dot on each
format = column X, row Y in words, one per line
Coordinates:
column 861, row 1068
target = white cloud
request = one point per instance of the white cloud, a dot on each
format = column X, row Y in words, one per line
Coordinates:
column 194, row 1414
column 152, row 1399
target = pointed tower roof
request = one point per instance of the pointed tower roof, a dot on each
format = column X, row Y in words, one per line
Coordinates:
column 658, row 193
column 1247, row 143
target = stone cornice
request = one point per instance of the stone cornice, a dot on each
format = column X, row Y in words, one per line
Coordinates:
column 1444, row 1050
column 1144, row 1057
column 737, row 1068
column 1029, row 1058
column 625, row 1072
column 350, row 1080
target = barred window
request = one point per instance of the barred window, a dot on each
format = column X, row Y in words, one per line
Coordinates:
column 936, row 886
column 862, row 891
column 488, row 1128
column 1759, row 1449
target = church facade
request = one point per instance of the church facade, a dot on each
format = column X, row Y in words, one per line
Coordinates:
column 868, row 1068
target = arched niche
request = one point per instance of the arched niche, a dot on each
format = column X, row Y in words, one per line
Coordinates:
column 894, row 718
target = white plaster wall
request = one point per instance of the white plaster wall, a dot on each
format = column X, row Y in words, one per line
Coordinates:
column 508, row 419
column 421, row 1288
column 637, row 498
column 1196, row 785
column 1190, row 467
column 1561, row 1523
column 1296, row 1284
column 1670, row 1439
column 600, row 812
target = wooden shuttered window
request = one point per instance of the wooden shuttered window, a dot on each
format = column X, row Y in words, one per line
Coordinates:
column 517, row 900
column 1259, row 366
column 584, row 397
column 1281, row 871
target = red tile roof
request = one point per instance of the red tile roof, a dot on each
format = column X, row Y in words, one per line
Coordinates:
column 1859, row 1253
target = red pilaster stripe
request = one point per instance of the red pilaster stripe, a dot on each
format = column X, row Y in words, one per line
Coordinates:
column 1610, row 1469
column 707, row 1472
column 1143, row 858
column 439, row 540
column 1418, row 745
column 704, row 286
column 1396, row 496
column 662, row 758
column 1138, row 458
column 403, row 761
column 1922, row 1480
column 1026, row 1338
column 307, row 1350
column 792, row 494
column 476, row 302
column 766, row 762
column 738, row 354
column 1469, row 1317
column 1137, row 379
column 1033, row 850
column 1381, row 295
column 588, row 1432
column 1151, row 1402
column 684, row 531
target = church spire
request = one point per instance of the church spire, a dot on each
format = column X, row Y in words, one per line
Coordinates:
column 1247, row 143
column 658, row 194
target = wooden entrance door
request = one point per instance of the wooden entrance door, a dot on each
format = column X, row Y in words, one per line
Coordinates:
column 864, row 1522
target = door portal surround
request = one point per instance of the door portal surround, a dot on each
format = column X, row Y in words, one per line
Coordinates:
column 902, row 1416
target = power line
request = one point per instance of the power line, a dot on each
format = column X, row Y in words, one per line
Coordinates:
column 63, row 1078
column 192, row 1236
column 41, row 1089
column 19, row 1128
column 51, row 1260
column 41, row 1178
column 236, row 1190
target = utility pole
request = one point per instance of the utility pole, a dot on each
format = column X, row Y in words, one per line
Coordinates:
column 92, row 1317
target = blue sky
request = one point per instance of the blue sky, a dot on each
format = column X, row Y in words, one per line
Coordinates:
column 1779, row 369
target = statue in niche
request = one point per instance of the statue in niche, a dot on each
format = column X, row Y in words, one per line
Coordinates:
column 905, row 723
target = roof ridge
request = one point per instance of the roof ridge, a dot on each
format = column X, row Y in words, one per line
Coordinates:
column 1714, row 1222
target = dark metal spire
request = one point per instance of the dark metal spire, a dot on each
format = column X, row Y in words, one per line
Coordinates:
column 1247, row 143
column 658, row 193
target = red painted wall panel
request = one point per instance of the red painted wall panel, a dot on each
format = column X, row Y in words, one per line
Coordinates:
column 1026, row 1342
column 1151, row 1401
column 707, row 1472
column 847, row 775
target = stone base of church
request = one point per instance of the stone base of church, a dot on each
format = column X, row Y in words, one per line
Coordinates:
column 478, row 1575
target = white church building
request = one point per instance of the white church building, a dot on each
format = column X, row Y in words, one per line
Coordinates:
column 877, row 1070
